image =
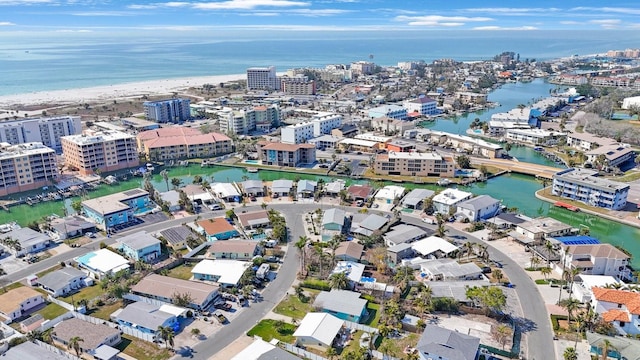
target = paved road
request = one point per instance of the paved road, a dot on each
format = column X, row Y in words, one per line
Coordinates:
column 536, row 325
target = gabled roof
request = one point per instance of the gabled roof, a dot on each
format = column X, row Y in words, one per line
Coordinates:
column 12, row 299
column 341, row 301
column 373, row 222
column 333, row 216
column 178, row 234
column 228, row 271
column 259, row 217
column 27, row 237
column 432, row 244
column 147, row 315
column 414, row 197
column 281, row 185
column 234, row 246
column 403, row 233
column 320, row 326
column 164, row 286
column 360, row 191
column 252, row 184
column 92, row 334
column 139, row 240
column 215, row 226
column 390, row 192
column 448, row 344
column 334, row 187
column 478, row 202
column 629, row 299
column 307, row 185
column 60, row 278
column 262, row 350
column 598, row 251
column 351, row 249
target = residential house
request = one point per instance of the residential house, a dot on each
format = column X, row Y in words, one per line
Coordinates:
column 92, row 335
column 31, row 351
column 28, row 240
column 71, row 226
column 343, row 304
column 318, row 330
column 198, row 194
column 226, row 192
column 227, row 273
column 164, row 288
column 433, row 247
column 146, row 317
column 584, row 284
column 396, row 253
column 253, row 187
column 102, row 263
column 333, row 220
column 596, row 259
column 172, row 199
column 306, row 188
column 254, row 219
column 64, row 281
column 440, row 343
column 620, row 308
column 619, row 348
column 261, row 350
column 140, row 246
column 446, row 202
column 281, row 187
column 368, row 225
column 539, row 229
column 345, row 131
column 415, row 198
column 177, row 236
column 389, row 194
column 359, row 192
column 32, row 323
column 403, row 233
column 479, row 208
column 234, row 250
column 119, row 208
column 353, row 271
column 349, row 251
column 614, row 155
column 448, row 270
column 217, row 229
column 334, row 188
column 17, row 302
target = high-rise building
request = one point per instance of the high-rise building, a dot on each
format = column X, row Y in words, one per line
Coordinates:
column 26, row 166
column 168, row 111
column 297, row 85
column 45, row 130
column 103, row 151
column 262, row 78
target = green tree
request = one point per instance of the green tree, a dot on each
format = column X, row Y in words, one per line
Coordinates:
column 570, row 354
column 502, row 333
column 491, row 298
column 197, row 179
column 339, row 280
column 181, row 299
column 76, row 205
column 74, row 343
column 301, row 245
column 545, row 271
column 166, row 334
column 604, row 347
column 463, row 162
column 165, row 176
column 331, row 353
column 176, row 182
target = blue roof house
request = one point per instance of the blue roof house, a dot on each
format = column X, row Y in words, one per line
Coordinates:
column 140, row 246
column 343, row 304
column 146, row 317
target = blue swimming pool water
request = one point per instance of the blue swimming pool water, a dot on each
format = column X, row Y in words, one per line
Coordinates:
column 365, row 279
column 144, row 209
column 252, row 161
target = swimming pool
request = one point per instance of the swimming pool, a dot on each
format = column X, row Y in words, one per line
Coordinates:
column 365, row 279
column 252, row 162
column 145, row 209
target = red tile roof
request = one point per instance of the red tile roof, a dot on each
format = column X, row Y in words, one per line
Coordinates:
column 215, row 226
column 628, row 298
column 360, row 191
column 287, row 147
column 616, row 315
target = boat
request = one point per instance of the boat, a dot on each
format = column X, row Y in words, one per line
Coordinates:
column 538, row 148
column 252, row 170
column 444, row 182
column 110, row 179
column 150, row 167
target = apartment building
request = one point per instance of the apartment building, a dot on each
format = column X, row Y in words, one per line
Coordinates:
column 103, row 151
column 182, row 143
column 297, row 85
column 45, row 130
column 391, row 111
column 422, row 105
column 471, row 98
column 320, row 124
column 414, row 164
column 583, row 185
column 25, row 167
column 290, row 155
column 262, row 118
column 168, row 111
column 534, row 136
column 363, row 68
column 612, row 154
column 262, row 78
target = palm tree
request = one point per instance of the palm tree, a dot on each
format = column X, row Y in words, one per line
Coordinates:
column 498, row 275
column 74, row 343
column 605, row 348
column 339, row 280
column 535, row 261
column 331, row 353
column 549, row 246
column 195, row 332
column 545, row 271
column 301, row 244
column 165, row 175
column 468, row 248
column 570, row 305
column 570, row 354
column 333, row 244
column 166, row 333
column 176, row 182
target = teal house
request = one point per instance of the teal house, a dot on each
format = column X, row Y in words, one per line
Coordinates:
column 140, row 246
column 217, row 229
column 343, row 304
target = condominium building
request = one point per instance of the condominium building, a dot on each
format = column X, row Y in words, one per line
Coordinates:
column 25, row 167
column 262, row 78
column 583, row 185
column 414, row 164
column 182, row 143
column 611, row 155
column 363, row 68
column 291, row 155
column 319, row 125
column 103, row 151
column 470, row 97
column 323, row 124
column 297, row 85
column 391, row 111
column 45, row 130
column 423, row 105
column 534, row 136
column 168, row 111
column 262, row 118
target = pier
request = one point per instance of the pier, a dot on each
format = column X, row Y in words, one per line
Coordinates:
column 539, row 171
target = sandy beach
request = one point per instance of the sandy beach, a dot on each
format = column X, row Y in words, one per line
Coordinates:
column 111, row 92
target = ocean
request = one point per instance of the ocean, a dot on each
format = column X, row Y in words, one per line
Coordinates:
column 55, row 61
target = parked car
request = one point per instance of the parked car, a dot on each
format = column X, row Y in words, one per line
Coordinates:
column 223, row 306
column 90, row 235
column 272, row 259
column 359, row 203
column 221, row 318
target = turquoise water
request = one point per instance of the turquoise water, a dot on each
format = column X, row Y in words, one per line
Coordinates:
column 252, row 161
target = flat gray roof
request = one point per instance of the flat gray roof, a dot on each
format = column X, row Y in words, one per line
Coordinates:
column 478, row 202
column 342, row 301
column 139, row 240
column 588, row 179
column 448, row 344
column 143, row 314
column 414, row 197
column 403, row 233
column 30, row 351
column 27, row 237
column 178, row 234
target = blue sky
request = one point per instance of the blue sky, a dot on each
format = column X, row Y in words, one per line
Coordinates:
column 297, row 15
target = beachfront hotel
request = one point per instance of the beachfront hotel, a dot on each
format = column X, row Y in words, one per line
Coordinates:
column 182, row 143
column 290, row 155
column 26, row 167
column 45, row 130
column 414, row 164
column 262, row 78
column 168, row 111
column 583, row 185
column 102, row 151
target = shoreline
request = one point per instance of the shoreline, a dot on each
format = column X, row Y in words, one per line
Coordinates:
column 111, row 92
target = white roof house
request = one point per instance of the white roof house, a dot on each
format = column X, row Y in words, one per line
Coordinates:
column 334, row 187
column 433, row 245
column 282, row 186
column 225, row 190
column 224, row 272
column 262, row 350
column 584, row 283
column 415, row 197
column 353, row 270
column 448, row 199
column 318, row 329
column 102, row 262
column 449, row 269
column 389, row 193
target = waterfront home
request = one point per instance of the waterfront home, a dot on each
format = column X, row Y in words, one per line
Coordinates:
column 334, row 188
column 92, row 335
column 416, row 197
column 583, row 285
column 252, row 188
column 234, row 249
column 333, row 220
column 254, row 219
column 261, row 350
column 146, row 317
column 423, row 105
column 197, row 193
column 434, row 247
column 343, row 304
column 289, row 155
column 177, row 236
column 478, row 208
column 318, row 330
column 227, row 273
column 390, row 111
column 17, row 302
column 71, row 226
column 217, row 229
column 172, row 199
column 446, row 202
column 620, row 308
column 534, row 136
column 164, row 288
column 619, row 348
column 539, row 229
column 403, row 233
column 281, row 187
column 439, row 343
column 585, row 186
column 359, row 192
column 596, row 259
column 226, row 192
column 64, row 281
column 388, row 125
column 349, row 251
column 467, row 97
column 306, row 188
column 449, row 270
column 389, row 194
column 614, row 155
column 365, row 225
column 508, row 220
column 28, row 241
column 102, row 263
column 117, row 209
column 352, row 269
column 140, row 246
column 396, row 253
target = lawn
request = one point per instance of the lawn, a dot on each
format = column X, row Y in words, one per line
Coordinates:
column 104, row 311
column 629, row 176
column 181, row 272
column 293, row 307
column 88, row 293
column 374, row 314
column 268, row 329
column 141, row 349
column 51, row 311
column 395, row 346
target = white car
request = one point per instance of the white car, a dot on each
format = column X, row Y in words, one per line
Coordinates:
column 428, row 221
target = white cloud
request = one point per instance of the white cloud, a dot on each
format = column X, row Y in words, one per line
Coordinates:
column 73, row 31
column 6, row 23
column 616, row 10
column 317, row 12
column 141, row 7
column 511, row 11
column 570, row 22
column 247, row 4
column 263, row 14
column 519, row 28
column 24, row 2
column 606, row 21
column 437, row 20
column 104, row 13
